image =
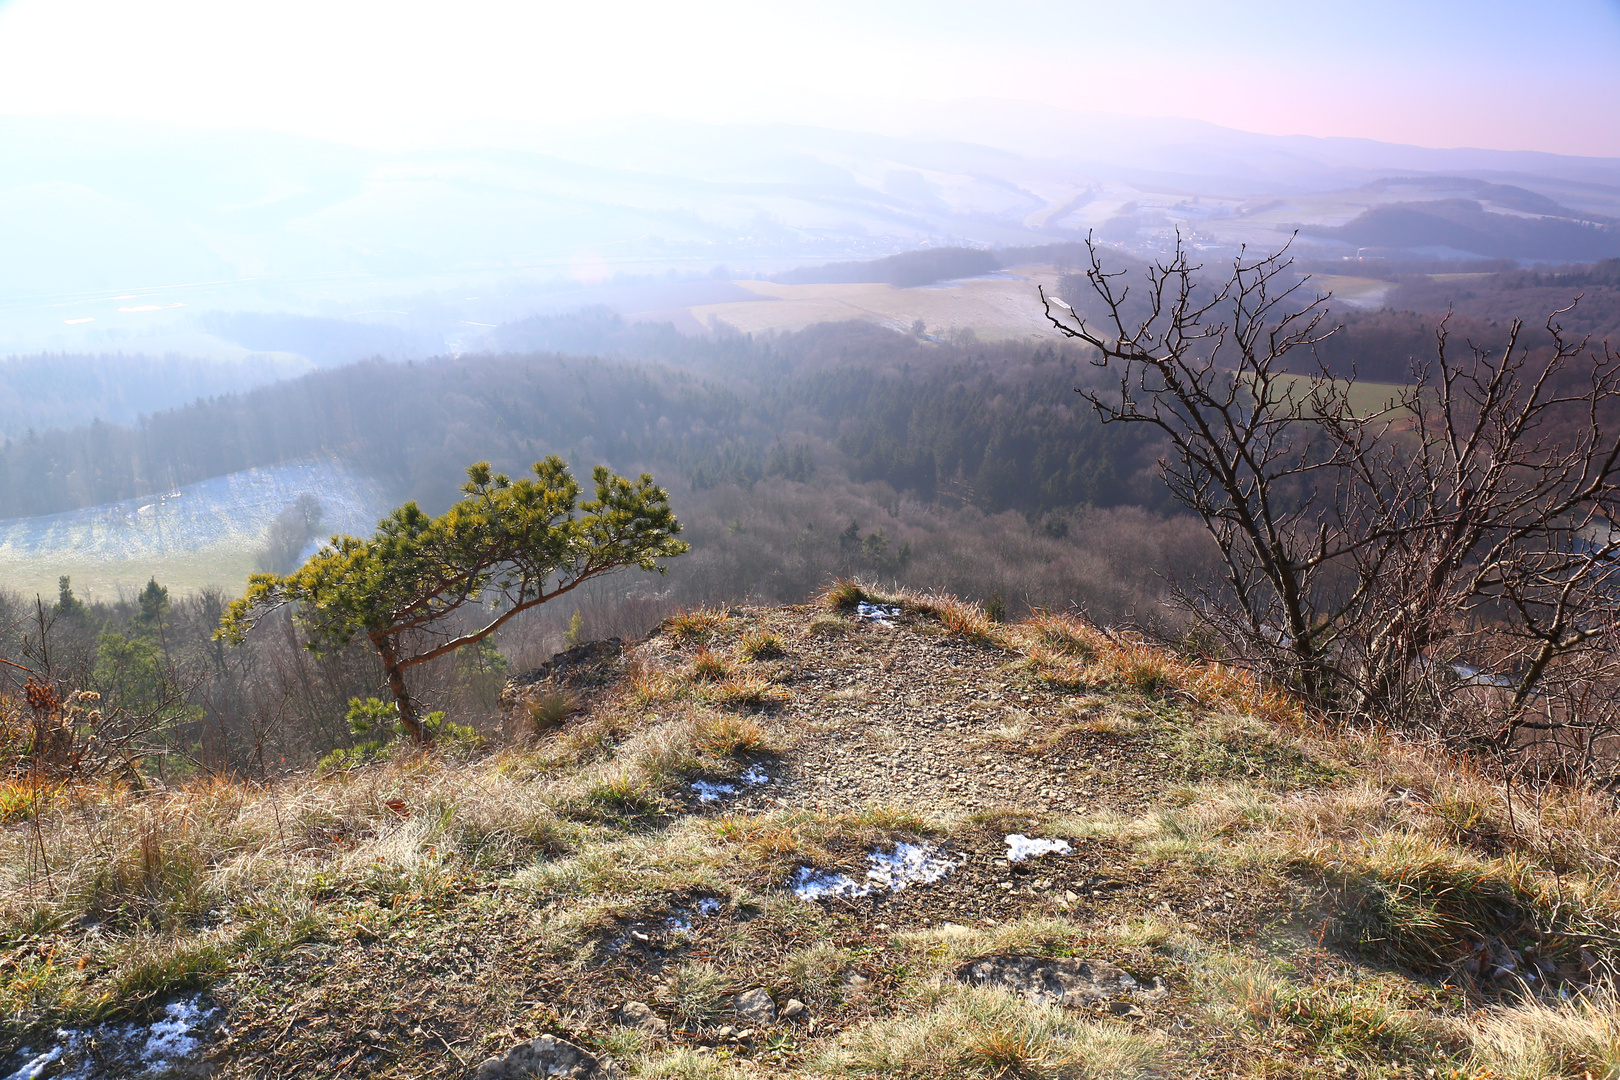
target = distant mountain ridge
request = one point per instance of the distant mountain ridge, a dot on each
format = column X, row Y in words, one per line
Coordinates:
column 138, row 238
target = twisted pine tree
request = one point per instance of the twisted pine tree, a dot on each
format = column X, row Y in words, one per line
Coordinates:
column 505, row 547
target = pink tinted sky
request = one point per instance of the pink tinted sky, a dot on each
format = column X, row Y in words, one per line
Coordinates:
column 1487, row 73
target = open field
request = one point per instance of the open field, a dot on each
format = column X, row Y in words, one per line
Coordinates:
column 204, row 534
column 1366, row 398
column 997, row 307
column 1355, row 291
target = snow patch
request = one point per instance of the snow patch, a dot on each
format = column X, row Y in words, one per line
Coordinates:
column 1021, row 847
column 680, row 920
column 125, row 1049
column 878, row 613
column 171, row 1038
column 33, row 1067
column 715, row 790
column 907, row 864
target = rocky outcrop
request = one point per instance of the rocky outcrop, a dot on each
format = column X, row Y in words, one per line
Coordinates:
column 543, row 699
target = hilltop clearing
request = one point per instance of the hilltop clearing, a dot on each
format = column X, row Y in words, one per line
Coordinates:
column 881, row 836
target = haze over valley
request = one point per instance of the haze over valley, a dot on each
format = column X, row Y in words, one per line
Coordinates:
column 740, row 540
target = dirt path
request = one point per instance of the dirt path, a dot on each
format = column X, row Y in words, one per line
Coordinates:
column 902, row 716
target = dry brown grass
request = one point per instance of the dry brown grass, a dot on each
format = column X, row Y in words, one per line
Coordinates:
column 728, row 735
column 1068, row 653
column 775, row 843
column 1402, row 852
column 761, row 645
column 695, row 627
column 1538, row 1040
column 956, row 1031
column 708, row 665
column 746, row 690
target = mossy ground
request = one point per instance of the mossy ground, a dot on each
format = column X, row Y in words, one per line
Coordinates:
column 1314, row 904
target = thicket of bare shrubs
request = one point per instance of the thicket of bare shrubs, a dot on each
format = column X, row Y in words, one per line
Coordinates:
column 1447, row 558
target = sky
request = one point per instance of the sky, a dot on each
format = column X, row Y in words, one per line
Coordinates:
column 1498, row 74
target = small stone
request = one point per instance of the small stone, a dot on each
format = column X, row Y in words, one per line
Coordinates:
column 755, row 1006
column 1124, row 1008
column 853, row 979
column 546, row 1056
column 638, row 1015
column 793, row 1009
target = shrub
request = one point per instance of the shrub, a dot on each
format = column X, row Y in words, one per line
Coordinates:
column 345, row 758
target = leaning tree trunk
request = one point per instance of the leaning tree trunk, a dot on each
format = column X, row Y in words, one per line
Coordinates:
column 408, row 719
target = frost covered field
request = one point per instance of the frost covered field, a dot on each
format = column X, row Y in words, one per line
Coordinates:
column 202, row 534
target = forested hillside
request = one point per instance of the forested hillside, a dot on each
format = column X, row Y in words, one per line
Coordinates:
column 59, row 390
column 993, row 425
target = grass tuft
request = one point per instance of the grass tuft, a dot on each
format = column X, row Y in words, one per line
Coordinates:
column 959, row 618
column 1535, row 1040
column 695, row 627
column 828, row 626
column 745, row 691
column 843, row 595
column 709, row 666
column 549, row 709
column 623, row 795
column 698, row 994
column 761, row 645
column 728, row 736
column 976, row 1032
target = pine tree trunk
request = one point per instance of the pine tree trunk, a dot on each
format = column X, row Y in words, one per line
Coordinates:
column 402, row 697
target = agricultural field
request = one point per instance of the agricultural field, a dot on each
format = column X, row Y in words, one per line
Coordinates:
column 996, row 307
column 201, row 535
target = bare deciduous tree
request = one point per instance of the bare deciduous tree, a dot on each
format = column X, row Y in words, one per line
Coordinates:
column 1454, row 540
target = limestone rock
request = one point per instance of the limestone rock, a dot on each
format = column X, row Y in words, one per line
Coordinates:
column 638, row 1015
column 546, row 1057
column 756, row 1007
column 793, row 1010
column 1067, row 982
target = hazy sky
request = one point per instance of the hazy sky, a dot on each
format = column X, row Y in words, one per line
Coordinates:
column 1504, row 74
